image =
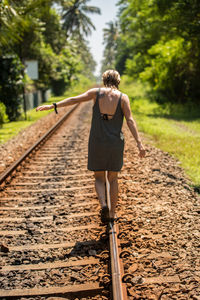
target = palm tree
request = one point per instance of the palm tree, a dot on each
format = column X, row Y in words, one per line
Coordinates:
column 7, row 13
column 110, row 41
column 75, row 19
column 110, row 34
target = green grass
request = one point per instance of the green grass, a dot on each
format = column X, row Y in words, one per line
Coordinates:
column 175, row 134
column 11, row 129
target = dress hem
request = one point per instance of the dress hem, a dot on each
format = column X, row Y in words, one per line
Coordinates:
column 104, row 170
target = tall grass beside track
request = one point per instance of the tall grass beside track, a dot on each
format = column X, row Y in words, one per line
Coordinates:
column 11, row 129
column 177, row 133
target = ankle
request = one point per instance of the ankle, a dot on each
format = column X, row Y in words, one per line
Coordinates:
column 112, row 215
column 103, row 204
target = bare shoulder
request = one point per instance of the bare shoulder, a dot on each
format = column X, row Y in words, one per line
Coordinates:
column 92, row 92
column 125, row 100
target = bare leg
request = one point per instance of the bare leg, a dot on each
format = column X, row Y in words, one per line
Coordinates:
column 113, row 180
column 100, row 186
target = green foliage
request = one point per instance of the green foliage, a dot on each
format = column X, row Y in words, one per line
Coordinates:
column 11, row 85
column 169, row 65
column 122, row 53
column 3, row 115
column 75, row 19
column 36, row 29
column 159, row 42
column 66, row 68
column 11, row 129
column 86, row 60
column 177, row 133
column 110, row 42
column 80, row 84
column 53, row 33
column 77, row 25
column 7, row 30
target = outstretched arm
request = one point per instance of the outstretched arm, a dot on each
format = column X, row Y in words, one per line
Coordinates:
column 132, row 124
column 89, row 95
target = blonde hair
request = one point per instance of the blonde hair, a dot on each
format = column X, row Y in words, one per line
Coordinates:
column 111, row 78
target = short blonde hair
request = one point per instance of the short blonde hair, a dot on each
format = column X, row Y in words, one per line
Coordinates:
column 111, row 78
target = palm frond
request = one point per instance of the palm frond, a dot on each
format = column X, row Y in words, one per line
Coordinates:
column 91, row 9
column 75, row 19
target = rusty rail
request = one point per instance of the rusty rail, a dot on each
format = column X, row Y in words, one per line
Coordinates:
column 118, row 288
column 14, row 166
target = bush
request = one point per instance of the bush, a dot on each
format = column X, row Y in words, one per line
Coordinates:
column 3, row 115
column 11, row 84
column 170, row 72
column 66, row 67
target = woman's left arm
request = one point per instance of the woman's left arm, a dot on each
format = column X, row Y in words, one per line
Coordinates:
column 89, row 95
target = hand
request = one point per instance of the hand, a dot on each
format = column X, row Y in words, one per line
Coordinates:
column 141, row 150
column 44, row 107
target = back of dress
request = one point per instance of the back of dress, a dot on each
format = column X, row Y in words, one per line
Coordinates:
column 106, row 141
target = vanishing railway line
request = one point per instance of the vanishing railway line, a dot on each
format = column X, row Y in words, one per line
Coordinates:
column 52, row 240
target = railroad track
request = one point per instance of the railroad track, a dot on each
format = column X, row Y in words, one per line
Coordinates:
column 53, row 242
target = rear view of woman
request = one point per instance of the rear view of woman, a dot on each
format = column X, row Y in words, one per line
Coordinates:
column 106, row 141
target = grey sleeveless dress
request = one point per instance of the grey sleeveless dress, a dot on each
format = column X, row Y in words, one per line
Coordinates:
column 106, row 141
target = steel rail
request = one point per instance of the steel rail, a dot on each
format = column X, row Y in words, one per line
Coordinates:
column 13, row 167
column 118, row 288
column 89, row 288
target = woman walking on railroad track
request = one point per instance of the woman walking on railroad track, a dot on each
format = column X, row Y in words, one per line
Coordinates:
column 106, row 141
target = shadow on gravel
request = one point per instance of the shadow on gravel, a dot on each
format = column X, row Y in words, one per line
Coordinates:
column 196, row 188
column 89, row 248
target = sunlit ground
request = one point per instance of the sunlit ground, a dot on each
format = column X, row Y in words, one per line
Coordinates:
column 178, row 136
column 13, row 128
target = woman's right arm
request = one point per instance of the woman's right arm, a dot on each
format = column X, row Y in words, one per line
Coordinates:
column 132, row 124
column 87, row 96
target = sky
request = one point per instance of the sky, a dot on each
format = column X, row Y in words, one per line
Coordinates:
column 108, row 13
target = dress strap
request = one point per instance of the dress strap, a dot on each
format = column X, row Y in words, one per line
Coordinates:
column 97, row 97
column 119, row 104
column 120, row 98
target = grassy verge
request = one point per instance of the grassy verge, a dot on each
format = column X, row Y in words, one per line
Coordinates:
column 177, row 134
column 13, row 128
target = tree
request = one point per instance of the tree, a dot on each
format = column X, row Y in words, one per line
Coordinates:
column 7, row 33
column 33, row 29
column 53, row 33
column 11, row 82
column 159, row 42
column 75, row 19
column 86, row 59
column 110, row 41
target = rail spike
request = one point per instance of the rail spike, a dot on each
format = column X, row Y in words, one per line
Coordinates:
column 122, row 235
column 106, row 280
column 104, row 236
column 125, row 253
column 130, row 278
column 127, row 278
column 104, row 255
